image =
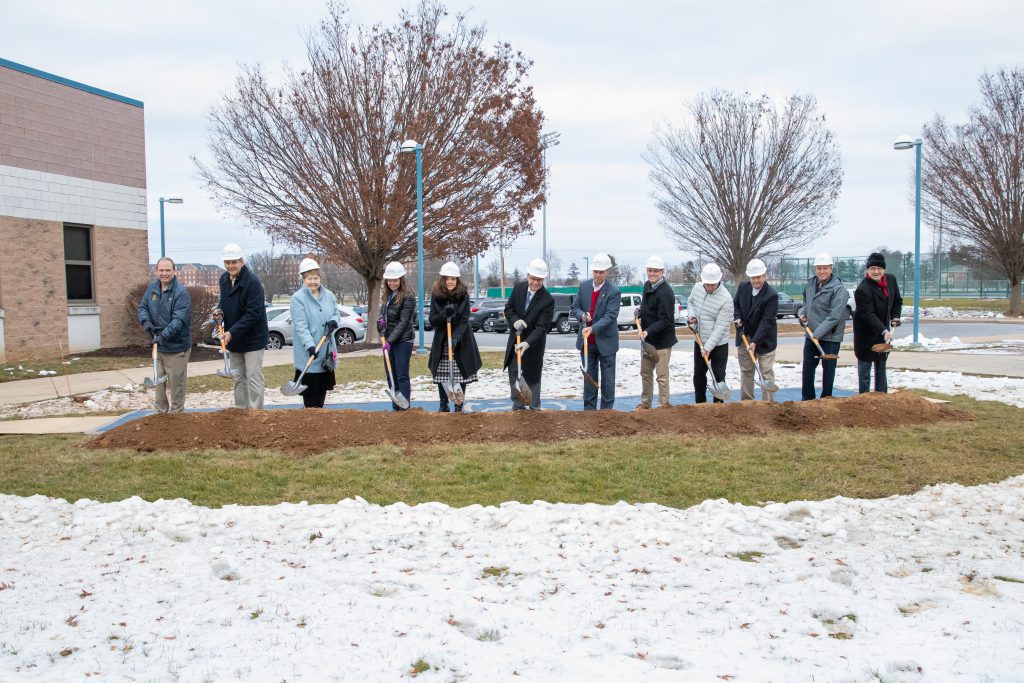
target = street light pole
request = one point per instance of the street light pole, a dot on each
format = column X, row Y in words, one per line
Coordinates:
column 173, row 199
column 904, row 142
column 546, row 140
column 407, row 147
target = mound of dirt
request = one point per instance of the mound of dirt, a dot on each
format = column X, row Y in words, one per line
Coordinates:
column 316, row 431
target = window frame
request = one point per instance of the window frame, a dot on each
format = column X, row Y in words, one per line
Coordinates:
column 91, row 233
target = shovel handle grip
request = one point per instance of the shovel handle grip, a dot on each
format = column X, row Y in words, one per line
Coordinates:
column 449, row 324
column 746, row 345
column 519, row 354
column 154, row 352
column 220, row 331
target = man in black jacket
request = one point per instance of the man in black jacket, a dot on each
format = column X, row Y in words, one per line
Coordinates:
column 755, row 309
column 658, row 325
column 877, row 311
column 529, row 311
column 243, row 311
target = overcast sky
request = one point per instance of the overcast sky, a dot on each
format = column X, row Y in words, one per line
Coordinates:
column 604, row 74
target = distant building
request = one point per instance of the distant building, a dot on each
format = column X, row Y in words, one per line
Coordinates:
column 72, row 213
column 195, row 274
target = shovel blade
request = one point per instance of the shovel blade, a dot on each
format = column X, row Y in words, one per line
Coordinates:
column 150, row 382
column 454, row 392
column 588, row 379
column 767, row 385
column 721, row 391
column 396, row 398
column 292, row 388
column 523, row 392
column 224, row 373
column 649, row 351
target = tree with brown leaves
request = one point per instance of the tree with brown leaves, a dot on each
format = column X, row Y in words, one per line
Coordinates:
column 314, row 162
column 974, row 174
column 746, row 180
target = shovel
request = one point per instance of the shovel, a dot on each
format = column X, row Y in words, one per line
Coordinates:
column 297, row 387
column 396, row 398
column 718, row 390
column 647, row 350
column 153, row 381
column 759, row 380
column 228, row 371
column 822, row 355
column 453, row 390
column 521, row 388
column 585, row 365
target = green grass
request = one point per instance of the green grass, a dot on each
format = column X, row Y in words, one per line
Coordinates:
column 350, row 369
column 9, row 372
column 998, row 305
column 672, row 471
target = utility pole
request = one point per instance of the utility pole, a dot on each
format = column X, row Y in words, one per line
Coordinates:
column 546, row 140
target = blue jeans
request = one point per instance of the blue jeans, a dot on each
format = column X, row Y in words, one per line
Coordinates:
column 400, row 355
column 810, row 368
column 606, row 364
column 864, row 375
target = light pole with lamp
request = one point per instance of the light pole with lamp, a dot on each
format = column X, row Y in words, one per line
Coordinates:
column 546, row 140
column 173, row 199
column 901, row 143
column 410, row 146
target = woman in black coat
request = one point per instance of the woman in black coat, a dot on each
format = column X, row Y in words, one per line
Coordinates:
column 449, row 301
column 878, row 307
column 398, row 311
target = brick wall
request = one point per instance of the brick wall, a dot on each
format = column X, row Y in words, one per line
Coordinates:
column 34, row 292
column 120, row 260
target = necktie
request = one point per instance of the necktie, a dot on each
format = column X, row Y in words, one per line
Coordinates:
column 529, row 296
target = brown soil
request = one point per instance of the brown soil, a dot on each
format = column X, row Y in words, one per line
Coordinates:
column 314, row 431
column 142, row 352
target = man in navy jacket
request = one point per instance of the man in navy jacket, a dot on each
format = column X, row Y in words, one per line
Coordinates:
column 244, row 313
column 165, row 313
column 596, row 306
column 755, row 309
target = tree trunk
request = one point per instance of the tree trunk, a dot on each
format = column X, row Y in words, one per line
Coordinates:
column 373, row 306
column 1015, row 308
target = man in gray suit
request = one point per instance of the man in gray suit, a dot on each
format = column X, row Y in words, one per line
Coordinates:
column 596, row 306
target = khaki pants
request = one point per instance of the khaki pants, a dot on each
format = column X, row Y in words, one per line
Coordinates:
column 647, row 370
column 249, row 383
column 766, row 361
column 175, row 366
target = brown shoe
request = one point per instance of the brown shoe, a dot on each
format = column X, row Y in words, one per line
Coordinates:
column 641, row 406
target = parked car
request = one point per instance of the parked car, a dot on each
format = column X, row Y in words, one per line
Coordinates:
column 627, row 311
column 488, row 315
column 787, row 306
column 680, row 314
column 562, row 321
column 351, row 329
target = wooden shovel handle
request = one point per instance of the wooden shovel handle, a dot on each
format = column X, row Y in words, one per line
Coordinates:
column 449, row 324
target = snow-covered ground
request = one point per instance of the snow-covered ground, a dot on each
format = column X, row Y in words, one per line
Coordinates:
column 561, row 380
column 900, row 589
column 947, row 312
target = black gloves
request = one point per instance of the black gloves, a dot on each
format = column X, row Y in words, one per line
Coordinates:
column 311, row 351
column 148, row 327
column 331, row 326
column 449, row 311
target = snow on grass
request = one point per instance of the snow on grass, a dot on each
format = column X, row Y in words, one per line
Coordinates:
column 907, row 588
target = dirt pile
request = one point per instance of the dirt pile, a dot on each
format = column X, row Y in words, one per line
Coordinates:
column 315, row 431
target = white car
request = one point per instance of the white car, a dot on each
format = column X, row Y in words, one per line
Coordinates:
column 351, row 329
column 631, row 302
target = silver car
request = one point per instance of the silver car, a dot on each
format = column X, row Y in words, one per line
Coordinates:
column 351, row 329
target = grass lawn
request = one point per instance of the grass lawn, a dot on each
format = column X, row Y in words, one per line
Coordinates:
column 671, row 471
column 357, row 369
column 998, row 305
column 30, row 369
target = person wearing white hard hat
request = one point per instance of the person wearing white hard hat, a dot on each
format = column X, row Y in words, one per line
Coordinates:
column 165, row 314
column 709, row 308
column 315, row 316
column 658, row 328
column 824, row 314
column 449, row 303
column 754, row 311
column 596, row 306
column 396, row 325
column 529, row 312
column 243, row 311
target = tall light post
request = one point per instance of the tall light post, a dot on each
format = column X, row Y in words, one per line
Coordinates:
column 410, row 146
column 586, row 266
column 173, row 199
column 546, row 140
column 905, row 142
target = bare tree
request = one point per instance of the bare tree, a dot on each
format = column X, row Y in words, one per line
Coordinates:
column 493, row 274
column 554, row 262
column 314, row 161
column 974, row 174
column 627, row 273
column 346, row 283
column 745, row 179
column 271, row 273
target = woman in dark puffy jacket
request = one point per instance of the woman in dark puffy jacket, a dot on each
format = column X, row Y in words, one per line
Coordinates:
column 397, row 314
column 450, row 302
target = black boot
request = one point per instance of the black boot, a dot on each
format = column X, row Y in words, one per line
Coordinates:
column 458, row 407
column 443, row 405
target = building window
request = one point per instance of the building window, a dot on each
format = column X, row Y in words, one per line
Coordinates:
column 78, row 262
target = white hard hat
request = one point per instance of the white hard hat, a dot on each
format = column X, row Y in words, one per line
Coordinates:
column 450, row 270
column 394, row 270
column 756, row 267
column 231, row 252
column 308, row 264
column 537, row 268
column 600, row 262
column 823, row 259
column 711, row 274
column 656, row 262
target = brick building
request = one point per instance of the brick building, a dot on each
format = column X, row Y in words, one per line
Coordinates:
column 195, row 274
column 72, row 213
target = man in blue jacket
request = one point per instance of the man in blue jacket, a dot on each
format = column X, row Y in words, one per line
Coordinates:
column 244, row 314
column 824, row 314
column 165, row 313
column 596, row 306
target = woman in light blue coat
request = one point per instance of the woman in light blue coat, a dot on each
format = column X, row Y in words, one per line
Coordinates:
column 314, row 314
